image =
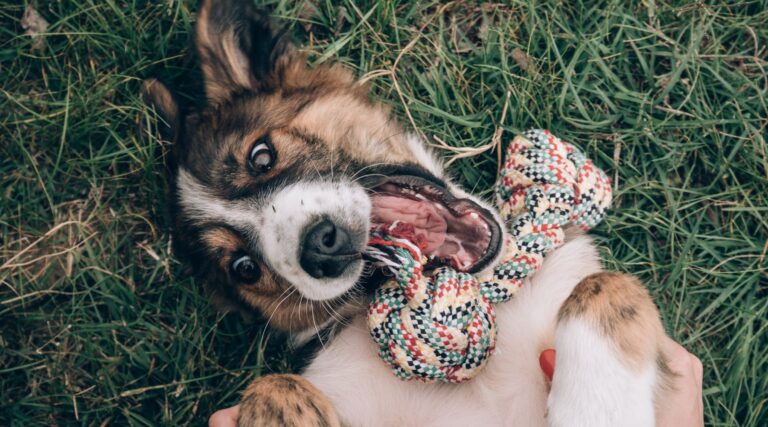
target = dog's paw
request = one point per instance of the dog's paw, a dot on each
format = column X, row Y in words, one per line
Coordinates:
column 285, row 400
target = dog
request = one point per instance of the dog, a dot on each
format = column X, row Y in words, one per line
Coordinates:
column 275, row 184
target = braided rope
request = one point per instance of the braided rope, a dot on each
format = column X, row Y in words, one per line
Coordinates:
column 441, row 326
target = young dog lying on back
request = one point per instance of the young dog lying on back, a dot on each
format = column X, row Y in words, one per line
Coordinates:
column 274, row 189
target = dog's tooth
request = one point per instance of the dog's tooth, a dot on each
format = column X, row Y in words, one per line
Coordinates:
column 419, row 196
column 439, row 206
column 474, row 215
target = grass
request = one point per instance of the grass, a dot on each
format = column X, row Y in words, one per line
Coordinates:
column 98, row 325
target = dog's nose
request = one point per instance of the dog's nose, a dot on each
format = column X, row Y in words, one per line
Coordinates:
column 327, row 250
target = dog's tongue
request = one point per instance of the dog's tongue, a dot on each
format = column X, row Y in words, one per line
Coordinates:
column 430, row 225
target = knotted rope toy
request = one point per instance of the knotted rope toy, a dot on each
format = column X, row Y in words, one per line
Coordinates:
column 441, row 326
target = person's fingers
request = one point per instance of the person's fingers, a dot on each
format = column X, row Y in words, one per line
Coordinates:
column 698, row 369
column 225, row 417
column 677, row 354
column 682, row 404
column 683, row 362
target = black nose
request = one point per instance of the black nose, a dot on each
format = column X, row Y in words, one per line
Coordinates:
column 327, row 249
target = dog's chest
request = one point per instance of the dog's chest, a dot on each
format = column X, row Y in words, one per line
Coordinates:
column 511, row 389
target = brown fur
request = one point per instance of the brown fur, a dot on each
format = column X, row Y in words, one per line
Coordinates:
column 311, row 133
column 272, row 296
column 621, row 307
column 227, row 70
column 160, row 97
column 157, row 95
column 364, row 132
column 285, row 400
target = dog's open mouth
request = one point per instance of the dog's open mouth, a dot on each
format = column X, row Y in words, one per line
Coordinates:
column 456, row 232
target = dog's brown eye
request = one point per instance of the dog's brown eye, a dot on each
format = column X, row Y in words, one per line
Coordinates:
column 262, row 156
column 245, row 269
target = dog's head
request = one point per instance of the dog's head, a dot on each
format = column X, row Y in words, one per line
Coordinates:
column 278, row 179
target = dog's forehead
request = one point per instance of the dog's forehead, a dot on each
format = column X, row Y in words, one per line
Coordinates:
column 340, row 130
column 217, row 124
column 364, row 131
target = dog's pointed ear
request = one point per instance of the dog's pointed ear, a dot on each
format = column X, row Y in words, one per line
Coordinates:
column 156, row 95
column 238, row 48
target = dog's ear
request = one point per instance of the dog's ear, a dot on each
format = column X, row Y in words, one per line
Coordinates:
column 238, row 49
column 156, row 95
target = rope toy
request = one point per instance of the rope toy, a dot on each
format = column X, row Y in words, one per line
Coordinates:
column 441, row 326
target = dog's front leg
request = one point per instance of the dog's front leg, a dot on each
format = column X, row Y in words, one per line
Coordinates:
column 285, row 400
column 609, row 361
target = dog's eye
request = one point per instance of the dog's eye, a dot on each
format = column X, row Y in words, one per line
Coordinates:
column 262, row 156
column 245, row 269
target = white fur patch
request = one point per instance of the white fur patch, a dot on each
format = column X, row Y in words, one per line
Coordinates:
column 276, row 223
column 201, row 205
column 294, row 207
column 424, row 156
column 592, row 387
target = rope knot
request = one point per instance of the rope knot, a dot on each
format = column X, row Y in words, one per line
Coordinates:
column 435, row 326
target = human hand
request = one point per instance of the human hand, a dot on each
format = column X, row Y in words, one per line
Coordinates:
column 682, row 405
column 225, row 417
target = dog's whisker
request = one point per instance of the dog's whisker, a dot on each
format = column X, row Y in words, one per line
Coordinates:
column 317, row 329
column 368, row 167
column 369, row 175
column 329, row 308
column 296, row 305
column 313, row 162
column 292, row 290
column 299, row 305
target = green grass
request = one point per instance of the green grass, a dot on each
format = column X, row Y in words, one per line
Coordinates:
column 98, row 325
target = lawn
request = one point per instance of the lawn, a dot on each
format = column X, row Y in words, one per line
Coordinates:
column 99, row 324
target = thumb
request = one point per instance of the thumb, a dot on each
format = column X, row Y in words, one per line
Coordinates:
column 547, row 362
column 225, row 417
